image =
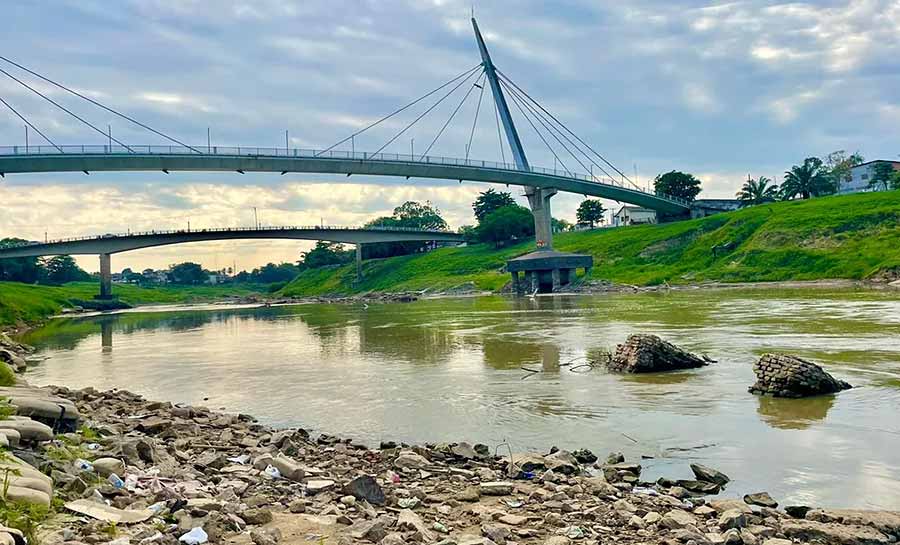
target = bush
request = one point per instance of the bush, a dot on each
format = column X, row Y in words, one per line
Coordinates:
column 7, row 376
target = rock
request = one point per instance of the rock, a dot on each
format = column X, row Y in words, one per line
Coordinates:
column 732, row 518
column 28, row 429
column 372, row 530
column 808, row 530
column 464, row 451
column 558, row 540
column 411, row 460
column 584, row 456
column 469, row 494
column 365, row 488
column 289, row 469
column 777, row 541
column 701, row 487
column 637, row 522
column 513, row 520
column 748, row 537
column 724, row 505
column 297, row 506
column 732, row 537
column 649, row 354
column 496, row 488
column 710, row 475
column 887, row 522
column 497, row 534
column 677, row 518
column 562, row 461
column 265, row 537
column 797, row 511
column 407, row 520
column 107, row 466
column 704, row 511
column 652, row 517
column 781, row 375
column 256, row 516
column 315, row 486
column 762, row 499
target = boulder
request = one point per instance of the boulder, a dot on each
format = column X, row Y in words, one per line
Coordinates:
column 43, row 406
column 107, row 466
column 410, row 459
column 710, row 475
column 29, row 430
column 649, row 354
column 762, row 499
column 288, row 468
column 781, row 375
column 366, row 488
column 11, row 536
column 823, row 532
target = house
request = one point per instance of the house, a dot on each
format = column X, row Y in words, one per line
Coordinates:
column 860, row 176
column 633, row 215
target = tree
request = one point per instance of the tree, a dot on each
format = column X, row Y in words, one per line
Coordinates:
column 882, row 171
column 325, row 254
column 560, row 226
column 811, row 179
column 410, row 214
column 271, row 273
column 507, row 223
column 61, row 269
column 590, row 211
column 895, row 180
column 839, row 165
column 677, row 184
column 490, row 201
column 757, row 191
column 188, row 273
column 21, row 269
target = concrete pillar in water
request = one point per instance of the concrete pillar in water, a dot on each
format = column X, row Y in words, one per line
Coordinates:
column 105, row 277
column 554, row 274
column 539, row 200
column 516, row 286
column 359, row 275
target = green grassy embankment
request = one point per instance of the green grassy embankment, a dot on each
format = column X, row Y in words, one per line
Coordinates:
column 24, row 303
column 850, row 237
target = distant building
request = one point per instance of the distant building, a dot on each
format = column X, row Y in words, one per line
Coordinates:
column 860, row 176
column 633, row 215
column 701, row 208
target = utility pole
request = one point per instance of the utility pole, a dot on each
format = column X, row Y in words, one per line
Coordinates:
column 286, row 144
column 208, row 141
column 26, row 138
column 412, row 152
column 109, row 135
column 256, row 217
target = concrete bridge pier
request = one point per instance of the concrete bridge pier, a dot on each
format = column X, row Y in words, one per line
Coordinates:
column 539, row 200
column 359, row 275
column 105, row 277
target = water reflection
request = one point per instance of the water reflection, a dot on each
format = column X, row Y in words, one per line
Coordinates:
column 794, row 414
column 452, row 369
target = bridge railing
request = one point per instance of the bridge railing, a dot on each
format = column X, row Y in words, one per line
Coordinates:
column 383, row 228
column 240, row 151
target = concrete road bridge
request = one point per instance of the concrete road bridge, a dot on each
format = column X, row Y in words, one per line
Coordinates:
column 109, row 244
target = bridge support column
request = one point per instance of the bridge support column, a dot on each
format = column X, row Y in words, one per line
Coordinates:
column 105, row 277
column 539, row 200
column 359, row 275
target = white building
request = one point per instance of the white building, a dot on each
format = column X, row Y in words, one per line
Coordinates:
column 633, row 215
column 860, row 176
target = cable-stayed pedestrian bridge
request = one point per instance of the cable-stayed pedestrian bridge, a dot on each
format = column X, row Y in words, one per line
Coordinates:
column 36, row 159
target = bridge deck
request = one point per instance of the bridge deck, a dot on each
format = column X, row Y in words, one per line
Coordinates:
column 111, row 244
column 33, row 159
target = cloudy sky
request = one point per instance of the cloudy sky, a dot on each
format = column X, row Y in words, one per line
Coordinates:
column 717, row 89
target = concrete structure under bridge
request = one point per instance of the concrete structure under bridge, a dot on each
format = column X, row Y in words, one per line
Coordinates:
column 106, row 245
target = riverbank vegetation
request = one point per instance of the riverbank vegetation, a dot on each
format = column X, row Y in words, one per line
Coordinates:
column 849, row 236
column 25, row 303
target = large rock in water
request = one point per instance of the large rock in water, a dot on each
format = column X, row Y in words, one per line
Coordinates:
column 649, row 354
column 781, row 375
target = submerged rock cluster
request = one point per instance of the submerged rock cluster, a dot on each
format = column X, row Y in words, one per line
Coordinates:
column 642, row 353
column 781, row 375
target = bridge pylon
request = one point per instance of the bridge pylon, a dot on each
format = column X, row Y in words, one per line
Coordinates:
column 538, row 198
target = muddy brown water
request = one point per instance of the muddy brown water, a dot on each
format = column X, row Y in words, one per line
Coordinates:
column 451, row 370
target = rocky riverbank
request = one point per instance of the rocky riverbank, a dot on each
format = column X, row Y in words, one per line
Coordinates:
column 141, row 471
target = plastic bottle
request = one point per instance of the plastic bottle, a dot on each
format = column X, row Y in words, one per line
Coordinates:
column 116, row 481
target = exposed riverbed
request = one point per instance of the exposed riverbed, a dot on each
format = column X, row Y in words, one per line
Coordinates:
column 450, row 369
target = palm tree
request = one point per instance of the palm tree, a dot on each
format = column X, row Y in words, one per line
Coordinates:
column 757, row 191
column 810, row 179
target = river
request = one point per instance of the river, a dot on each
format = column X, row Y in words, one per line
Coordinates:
column 451, row 370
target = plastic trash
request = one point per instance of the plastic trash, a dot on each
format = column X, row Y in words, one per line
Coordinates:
column 408, row 503
column 131, row 482
column 195, row 537
column 158, row 507
column 84, row 465
column 242, row 459
column 272, row 472
column 116, row 481
column 644, row 490
column 92, row 446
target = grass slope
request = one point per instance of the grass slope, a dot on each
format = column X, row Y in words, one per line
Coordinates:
column 28, row 303
column 850, row 236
